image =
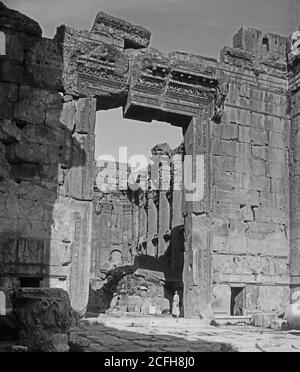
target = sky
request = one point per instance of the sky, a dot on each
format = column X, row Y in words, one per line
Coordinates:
column 197, row 26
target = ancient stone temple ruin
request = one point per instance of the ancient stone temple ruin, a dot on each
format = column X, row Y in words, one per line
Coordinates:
column 234, row 249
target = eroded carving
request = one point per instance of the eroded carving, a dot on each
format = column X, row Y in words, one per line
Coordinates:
column 134, row 36
column 45, row 318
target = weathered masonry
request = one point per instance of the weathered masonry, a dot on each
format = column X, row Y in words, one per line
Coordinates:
column 240, row 242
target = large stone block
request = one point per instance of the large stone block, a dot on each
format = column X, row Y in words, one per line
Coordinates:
column 15, row 45
column 44, row 62
column 272, row 299
column 33, row 153
column 134, row 36
column 8, row 97
column 45, row 318
column 221, row 299
column 79, row 179
column 33, row 104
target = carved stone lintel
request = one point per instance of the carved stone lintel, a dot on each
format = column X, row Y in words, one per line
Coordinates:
column 165, row 88
column 44, row 316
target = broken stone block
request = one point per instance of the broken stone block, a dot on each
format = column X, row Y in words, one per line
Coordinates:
column 135, row 37
column 263, row 320
column 44, row 316
column 59, row 343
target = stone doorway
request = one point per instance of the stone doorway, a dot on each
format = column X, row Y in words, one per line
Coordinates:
column 237, row 301
column 137, row 237
column 184, row 90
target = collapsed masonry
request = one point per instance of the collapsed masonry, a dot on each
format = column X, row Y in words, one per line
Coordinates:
column 241, row 243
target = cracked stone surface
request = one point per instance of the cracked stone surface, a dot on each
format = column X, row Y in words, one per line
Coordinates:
column 148, row 334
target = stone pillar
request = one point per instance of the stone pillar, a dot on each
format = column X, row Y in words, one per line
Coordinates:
column 164, row 205
column 197, row 275
column 135, row 227
column 127, row 230
column 44, row 316
column 74, row 207
column 294, row 61
column 143, row 221
column 2, row 303
column 177, row 236
column 152, row 225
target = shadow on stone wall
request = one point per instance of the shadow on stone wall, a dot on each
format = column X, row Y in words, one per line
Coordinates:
column 39, row 150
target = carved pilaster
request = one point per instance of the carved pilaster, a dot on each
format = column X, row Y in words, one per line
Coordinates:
column 294, row 103
column 197, row 205
column 80, row 257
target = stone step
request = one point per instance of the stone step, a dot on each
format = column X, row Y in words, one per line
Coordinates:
column 233, row 320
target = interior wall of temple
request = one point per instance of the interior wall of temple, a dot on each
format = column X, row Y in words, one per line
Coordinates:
column 237, row 249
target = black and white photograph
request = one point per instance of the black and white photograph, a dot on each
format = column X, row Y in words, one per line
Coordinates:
column 149, row 179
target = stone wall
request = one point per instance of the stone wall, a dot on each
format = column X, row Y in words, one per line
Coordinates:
column 240, row 239
column 251, row 216
column 46, row 146
column 294, row 97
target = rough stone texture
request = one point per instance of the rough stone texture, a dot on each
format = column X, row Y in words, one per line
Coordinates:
column 238, row 231
column 148, row 334
column 251, row 217
column 46, row 158
column 44, row 316
column 13, row 21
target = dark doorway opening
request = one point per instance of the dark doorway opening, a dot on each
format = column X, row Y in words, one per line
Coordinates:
column 237, row 301
column 266, row 43
column 30, row 282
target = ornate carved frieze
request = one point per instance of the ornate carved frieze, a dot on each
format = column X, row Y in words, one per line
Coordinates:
column 257, row 62
column 94, row 64
column 190, row 88
column 103, row 70
column 170, row 89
